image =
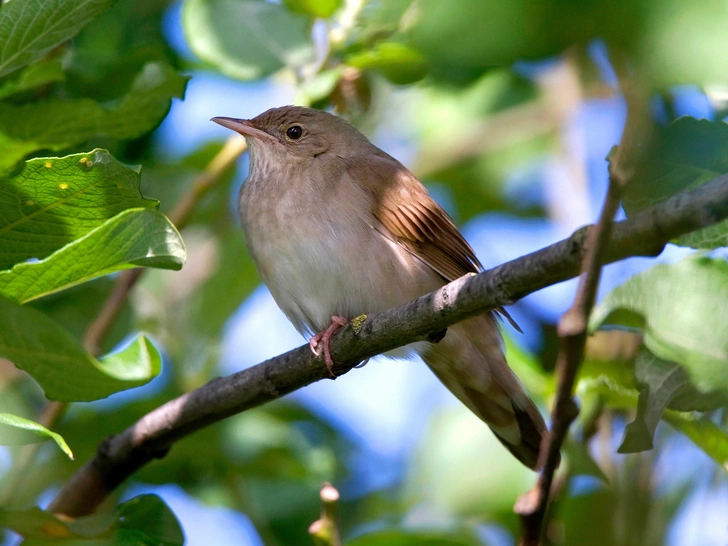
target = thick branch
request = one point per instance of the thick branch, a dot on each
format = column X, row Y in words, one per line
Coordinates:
column 645, row 234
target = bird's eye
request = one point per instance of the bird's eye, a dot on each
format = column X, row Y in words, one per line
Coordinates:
column 294, row 132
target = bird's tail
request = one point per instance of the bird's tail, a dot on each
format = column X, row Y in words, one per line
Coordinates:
column 470, row 362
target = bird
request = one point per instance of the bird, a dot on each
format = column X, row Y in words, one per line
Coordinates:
column 338, row 228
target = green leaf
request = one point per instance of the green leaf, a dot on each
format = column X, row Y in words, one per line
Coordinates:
column 463, row 39
column 664, row 385
column 685, row 316
column 683, row 155
column 247, row 39
column 399, row 63
column 408, row 537
column 30, row 28
column 151, row 520
column 15, row 430
column 57, row 125
column 60, row 365
column 54, row 201
column 142, row 521
column 662, row 381
column 133, row 238
column 319, row 87
column 704, row 434
column 581, row 462
column 315, row 8
column 445, row 473
column 37, row 74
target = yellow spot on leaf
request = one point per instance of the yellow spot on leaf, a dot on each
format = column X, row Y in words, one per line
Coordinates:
column 83, row 160
column 47, row 164
column 63, row 186
column 30, row 202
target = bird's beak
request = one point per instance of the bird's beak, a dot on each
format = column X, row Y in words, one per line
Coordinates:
column 244, row 127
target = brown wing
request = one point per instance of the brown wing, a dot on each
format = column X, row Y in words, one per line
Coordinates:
column 407, row 215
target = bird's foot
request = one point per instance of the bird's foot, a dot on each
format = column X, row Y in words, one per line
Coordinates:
column 323, row 338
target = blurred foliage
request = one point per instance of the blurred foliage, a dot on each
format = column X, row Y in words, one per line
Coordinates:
column 489, row 89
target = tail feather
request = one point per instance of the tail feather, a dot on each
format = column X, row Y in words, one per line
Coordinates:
column 469, row 361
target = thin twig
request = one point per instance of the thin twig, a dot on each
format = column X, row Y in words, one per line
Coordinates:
column 572, row 328
column 179, row 216
column 643, row 234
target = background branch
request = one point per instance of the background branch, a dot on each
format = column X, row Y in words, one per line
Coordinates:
column 644, row 234
column 572, row 327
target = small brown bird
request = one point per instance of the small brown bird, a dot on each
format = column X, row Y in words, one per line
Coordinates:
column 338, row 228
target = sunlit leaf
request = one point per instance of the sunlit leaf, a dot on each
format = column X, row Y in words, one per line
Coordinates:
column 56, row 124
column 15, row 430
column 447, row 472
column 247, row 39
column 316, row 8
column 54, row 201
column 681, row 309
column 682, row 42
column 399, row 63
column 683, row 155
column 704, row 433
column 135, row 237
column 37, row 74
column 29, row 28
column 58, row 362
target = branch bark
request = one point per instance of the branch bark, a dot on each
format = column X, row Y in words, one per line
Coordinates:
column 644, row 234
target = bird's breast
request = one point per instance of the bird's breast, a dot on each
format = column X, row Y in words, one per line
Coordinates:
column 320, row 256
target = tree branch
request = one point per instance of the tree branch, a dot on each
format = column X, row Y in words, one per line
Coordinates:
column 572, row 328
column 644, row 234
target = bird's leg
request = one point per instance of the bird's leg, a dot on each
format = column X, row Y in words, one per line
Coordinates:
column 323, row 337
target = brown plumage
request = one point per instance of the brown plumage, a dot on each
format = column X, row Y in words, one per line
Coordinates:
column 339, row 228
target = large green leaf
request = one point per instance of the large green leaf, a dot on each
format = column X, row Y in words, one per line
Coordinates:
column 135, row 237
column 35, row 75
column 681, row 309
column 463, row 39
column 29, row 28
column 247, row 39
column 16, row 430
column 57, row 125
column 142, row 521
column 58, row 362
column 683, row 155
column 54, row 201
